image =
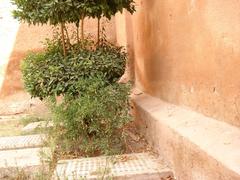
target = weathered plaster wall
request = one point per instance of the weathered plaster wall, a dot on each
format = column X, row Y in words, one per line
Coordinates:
column 27, row 39
column 188, row 53
column 30, row 38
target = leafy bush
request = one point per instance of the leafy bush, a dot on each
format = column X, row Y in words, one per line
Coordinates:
column 48, row 74
column 93, row 122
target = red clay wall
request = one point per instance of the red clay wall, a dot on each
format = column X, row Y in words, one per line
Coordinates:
column 188, row 53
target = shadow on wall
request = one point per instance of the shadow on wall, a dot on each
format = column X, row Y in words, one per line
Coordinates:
column 30, row 38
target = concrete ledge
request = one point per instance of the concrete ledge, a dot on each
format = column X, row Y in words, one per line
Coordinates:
column 197, row 147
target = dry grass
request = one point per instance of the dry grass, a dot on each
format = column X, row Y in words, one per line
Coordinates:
column 10, row 128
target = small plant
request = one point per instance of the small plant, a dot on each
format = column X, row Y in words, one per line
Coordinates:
column 25, row 173
column 93, row 122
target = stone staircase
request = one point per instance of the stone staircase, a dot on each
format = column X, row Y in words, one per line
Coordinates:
column 23, row 152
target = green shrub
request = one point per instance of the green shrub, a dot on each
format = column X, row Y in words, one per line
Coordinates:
column 94, row 109
column 93, row 122
column 49, row 74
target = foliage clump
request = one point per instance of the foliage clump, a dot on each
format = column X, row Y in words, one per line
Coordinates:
column 94, row 121
column 48, row 74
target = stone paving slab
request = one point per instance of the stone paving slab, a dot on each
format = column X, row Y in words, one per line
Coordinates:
column 22, row 157
column 33, row 126
column 18, row 142
column 142, row 166
column 28, row 160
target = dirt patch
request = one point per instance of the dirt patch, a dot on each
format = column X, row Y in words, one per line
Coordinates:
column 135, row 142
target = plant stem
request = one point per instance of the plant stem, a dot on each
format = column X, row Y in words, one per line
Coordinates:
column 98, row 33
column 82, row 27
column 78, row 39
column 68, row 39
column 63, row 40
column 77, row 27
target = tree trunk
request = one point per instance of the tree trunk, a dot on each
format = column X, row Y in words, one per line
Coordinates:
column 63, row 40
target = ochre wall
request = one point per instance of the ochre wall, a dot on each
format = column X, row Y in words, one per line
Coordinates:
column 188, row 53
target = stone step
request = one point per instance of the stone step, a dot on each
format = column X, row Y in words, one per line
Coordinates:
column 142, row 166
column 35, row 125
column 29, row 160
column 20, row 142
